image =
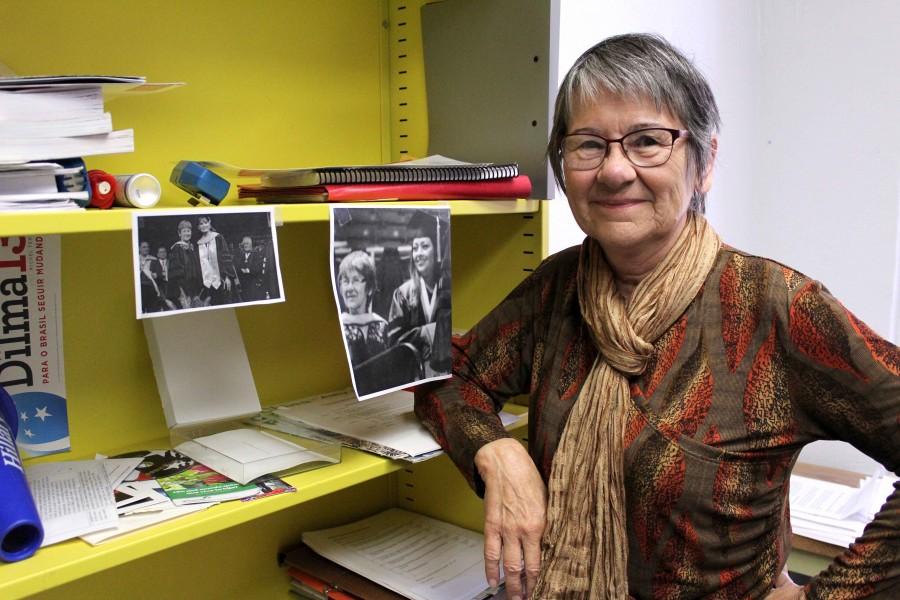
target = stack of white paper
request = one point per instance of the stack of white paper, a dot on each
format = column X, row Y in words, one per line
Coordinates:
column 416, row 556
column 836, row 513
column 385, row 425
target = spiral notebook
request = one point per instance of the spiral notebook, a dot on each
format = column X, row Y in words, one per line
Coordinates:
column 428, row 169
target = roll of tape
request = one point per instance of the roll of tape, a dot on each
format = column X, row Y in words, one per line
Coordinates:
column 138, row 190
column 21, row 532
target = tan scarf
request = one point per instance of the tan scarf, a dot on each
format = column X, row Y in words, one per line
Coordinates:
column 584, row 550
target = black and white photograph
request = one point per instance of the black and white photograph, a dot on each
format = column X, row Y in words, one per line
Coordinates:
column 187, row 261
column 391, row 278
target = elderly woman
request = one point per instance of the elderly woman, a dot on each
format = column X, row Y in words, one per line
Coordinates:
column 672, row 379
column 364, row 330
column 184, row 268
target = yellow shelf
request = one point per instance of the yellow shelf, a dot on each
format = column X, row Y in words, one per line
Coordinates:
column 368, row 106
column 119, row 219
column 67, row 561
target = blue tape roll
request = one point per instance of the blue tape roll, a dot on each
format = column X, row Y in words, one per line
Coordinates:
column 21, row 532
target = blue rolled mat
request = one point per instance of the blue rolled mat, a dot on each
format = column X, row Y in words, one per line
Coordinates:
column 21, row 532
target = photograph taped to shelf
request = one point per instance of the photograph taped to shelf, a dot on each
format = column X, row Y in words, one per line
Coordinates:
column 390, row 271
column 190, row 260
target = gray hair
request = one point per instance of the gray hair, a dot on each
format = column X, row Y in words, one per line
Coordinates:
column 640, row 65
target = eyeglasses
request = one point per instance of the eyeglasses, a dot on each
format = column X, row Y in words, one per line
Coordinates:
column 354, row 280
column 643, row 148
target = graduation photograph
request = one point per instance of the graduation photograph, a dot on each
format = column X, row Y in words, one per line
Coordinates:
column 392, row 289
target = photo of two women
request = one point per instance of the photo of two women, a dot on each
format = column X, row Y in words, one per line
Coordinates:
column 392, row 288
column 196, row 261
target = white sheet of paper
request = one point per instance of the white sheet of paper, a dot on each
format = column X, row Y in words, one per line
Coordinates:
column 416, row 556
column 72, row 498
column 248, row 445
column 135, row 521
column 119, row 468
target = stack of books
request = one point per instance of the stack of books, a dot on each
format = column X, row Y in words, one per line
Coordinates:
column 47, row 124
column 432, row 178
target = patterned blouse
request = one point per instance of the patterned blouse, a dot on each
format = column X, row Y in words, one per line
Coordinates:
column 366, row 336
column 762, row 362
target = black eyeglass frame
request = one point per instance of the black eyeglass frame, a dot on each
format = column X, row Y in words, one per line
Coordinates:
column 676, row 134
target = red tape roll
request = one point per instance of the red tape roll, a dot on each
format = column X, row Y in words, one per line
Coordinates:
column 103, row 188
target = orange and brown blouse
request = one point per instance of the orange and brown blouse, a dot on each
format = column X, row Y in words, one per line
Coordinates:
column 763, row 362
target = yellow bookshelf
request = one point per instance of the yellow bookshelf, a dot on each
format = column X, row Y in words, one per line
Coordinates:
column 280, row 83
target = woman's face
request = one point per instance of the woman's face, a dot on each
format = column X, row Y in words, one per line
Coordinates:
column 633, row 211
column 423, row 255
column 185, row 234
column 354, row 291
column 203, row 225
column 144, row 249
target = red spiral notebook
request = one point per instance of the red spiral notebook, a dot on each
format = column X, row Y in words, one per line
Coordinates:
column 511, row 187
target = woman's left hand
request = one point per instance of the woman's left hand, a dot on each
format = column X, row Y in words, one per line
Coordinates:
column 786, row 589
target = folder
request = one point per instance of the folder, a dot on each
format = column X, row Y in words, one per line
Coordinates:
column 303, row 558
column 512, row 187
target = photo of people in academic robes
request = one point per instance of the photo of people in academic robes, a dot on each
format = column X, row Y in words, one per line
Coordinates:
column 392, row 287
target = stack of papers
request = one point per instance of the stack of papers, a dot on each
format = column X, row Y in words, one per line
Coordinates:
column 42, row 185
column 73, row 498
column 101, row 499
column 416, row 556
column 385, row 425
column 59, row 117
column 836, row 513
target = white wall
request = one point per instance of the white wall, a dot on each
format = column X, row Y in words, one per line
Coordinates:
column 808, row 170
column 830, row 82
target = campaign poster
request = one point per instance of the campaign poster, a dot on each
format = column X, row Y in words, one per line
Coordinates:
column 32, row 369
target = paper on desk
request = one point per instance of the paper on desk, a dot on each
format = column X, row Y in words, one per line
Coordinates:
column 73, row 498
column 387, row 420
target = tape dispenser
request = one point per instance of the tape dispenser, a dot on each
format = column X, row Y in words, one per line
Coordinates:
column 203, row 186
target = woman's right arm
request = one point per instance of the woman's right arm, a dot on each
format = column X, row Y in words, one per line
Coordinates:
column 493, row 363
column 515, row 507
